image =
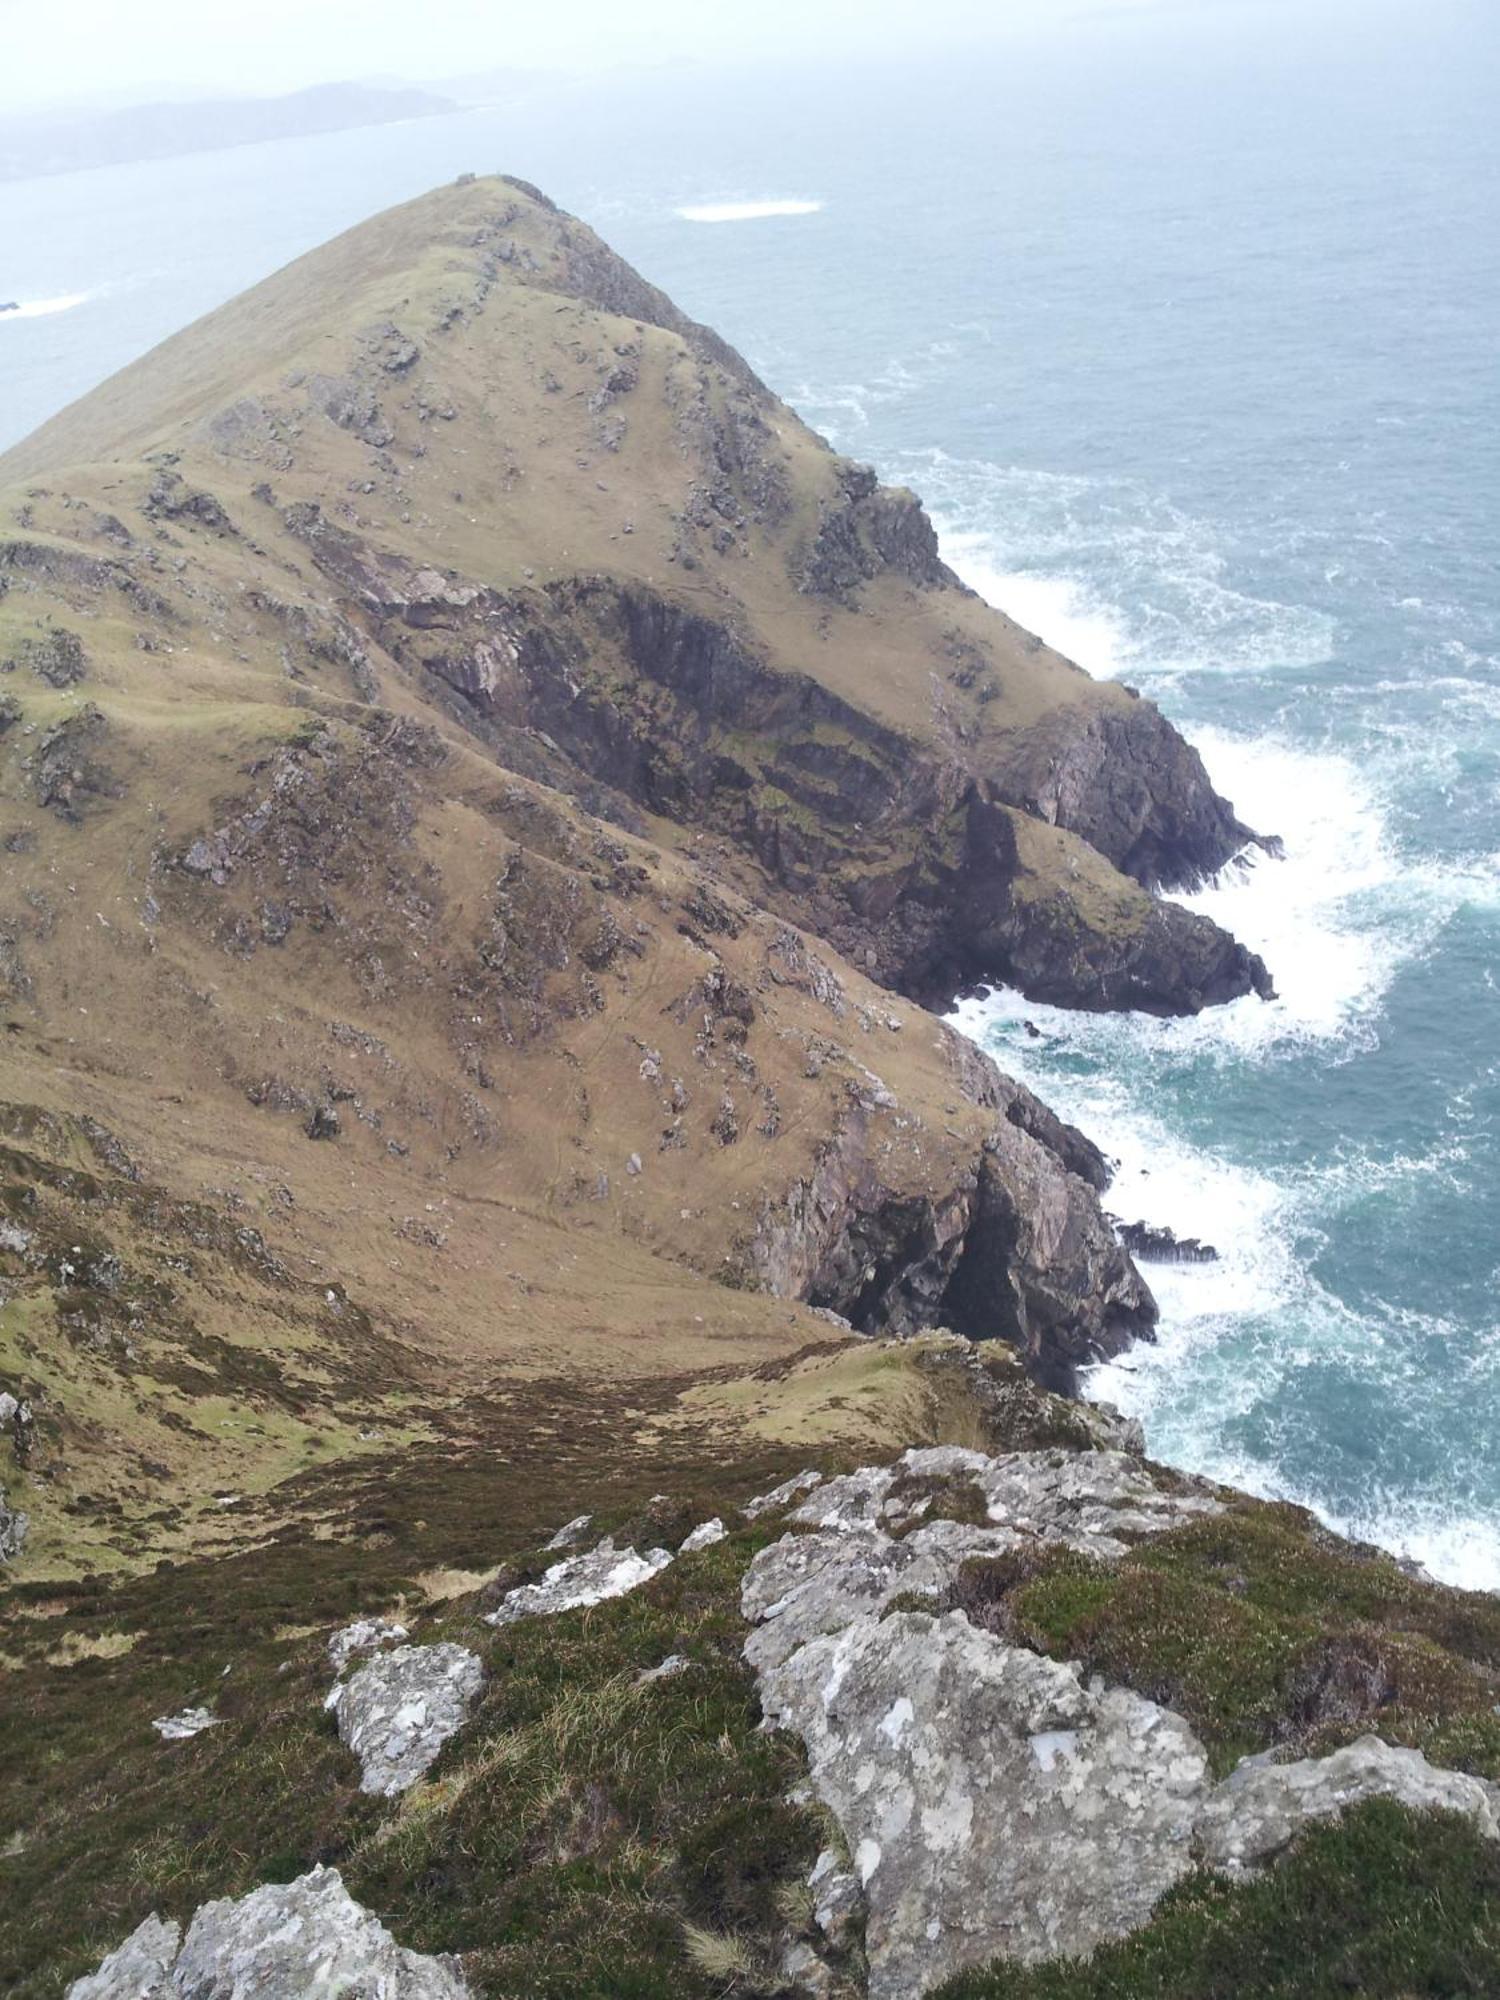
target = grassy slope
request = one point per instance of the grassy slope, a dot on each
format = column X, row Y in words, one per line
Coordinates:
column 588, row 1834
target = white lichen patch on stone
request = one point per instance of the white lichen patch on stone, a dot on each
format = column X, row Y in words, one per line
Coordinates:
column 578, row 1580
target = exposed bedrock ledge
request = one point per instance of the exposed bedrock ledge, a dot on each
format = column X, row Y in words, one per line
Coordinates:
column 903, row 855
column 1128, row 784
column 997, row 918
column 1015, row 1247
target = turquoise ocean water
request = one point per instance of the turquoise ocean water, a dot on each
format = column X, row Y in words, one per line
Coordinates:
column 1185, row 322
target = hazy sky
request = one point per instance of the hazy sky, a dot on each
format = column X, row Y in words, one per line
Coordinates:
column 55, row 50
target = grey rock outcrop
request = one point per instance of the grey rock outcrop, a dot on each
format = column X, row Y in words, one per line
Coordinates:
column 1260, row 1808
column 399, row 1709
column 996, row 1804
column 782, row 1495
column 991, row 1802
column 1089, row 1500
column 603, row 1572
column 13, row 1529
column 139, row 1969
column 365, row 1635
column 302, row 1940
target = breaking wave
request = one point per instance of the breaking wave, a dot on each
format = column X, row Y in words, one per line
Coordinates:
column 745, row 211
column 43, row 308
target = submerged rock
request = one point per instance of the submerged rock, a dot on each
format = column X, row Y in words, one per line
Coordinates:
column 587, row 1579
column 1161, row 1246
column 399, row 1709
column 284, row 1941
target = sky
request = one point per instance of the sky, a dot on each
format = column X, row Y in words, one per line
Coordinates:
column 133, row 50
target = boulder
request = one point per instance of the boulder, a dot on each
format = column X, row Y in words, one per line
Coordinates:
column 13, row 1528
column 703, row 1537
column 587, row 1579
column 302, row 1940
column 401, row 1707
column 991, row 1802
column 365, row 1635
column 189, row 1722
column 1260, row 1808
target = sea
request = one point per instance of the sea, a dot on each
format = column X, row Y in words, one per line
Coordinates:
column 1184, row 321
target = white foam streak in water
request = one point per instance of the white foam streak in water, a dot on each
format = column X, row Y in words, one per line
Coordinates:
column 746, row 211
column 41, row 308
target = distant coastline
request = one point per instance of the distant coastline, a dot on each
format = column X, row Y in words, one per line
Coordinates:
column 71, row 142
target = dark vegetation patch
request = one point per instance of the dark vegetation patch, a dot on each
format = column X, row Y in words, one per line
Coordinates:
column 584, row 1819
column 591, row 1816
column 1384, row 1905
column 1265, row 1632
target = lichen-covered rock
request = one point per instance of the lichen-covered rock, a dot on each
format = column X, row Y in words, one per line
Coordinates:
column 365, row 1635
column 139, row 1969
column 991, row 1802
column 807, row 1585
column 703, row 1537
column 996, row 1804
column 188, row 1722
column 400, row 1708
column 1090, row 1500
column 587, row 1579
column 1260, row 1808
column 13, row 1527
column 302, row 1940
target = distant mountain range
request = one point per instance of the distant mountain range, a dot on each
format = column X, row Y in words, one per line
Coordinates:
column 64, row 142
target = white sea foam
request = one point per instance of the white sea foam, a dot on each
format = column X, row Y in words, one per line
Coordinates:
column 745, row 211
column 41, row 308
column 1116, row 578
